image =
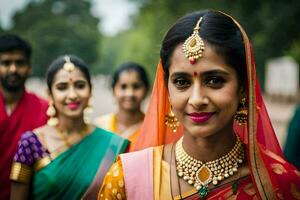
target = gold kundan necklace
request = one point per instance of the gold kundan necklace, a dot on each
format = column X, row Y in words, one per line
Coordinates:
column 201, row 174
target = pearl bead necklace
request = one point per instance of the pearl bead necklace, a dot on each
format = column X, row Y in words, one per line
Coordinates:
column 201, row 174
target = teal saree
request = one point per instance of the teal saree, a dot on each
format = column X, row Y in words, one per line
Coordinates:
column 70, row 174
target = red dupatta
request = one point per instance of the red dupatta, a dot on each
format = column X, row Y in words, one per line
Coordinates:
column 272, row 175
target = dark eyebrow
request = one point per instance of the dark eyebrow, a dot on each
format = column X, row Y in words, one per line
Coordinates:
column 216, row 72
column 177, row 74
column 207, row 73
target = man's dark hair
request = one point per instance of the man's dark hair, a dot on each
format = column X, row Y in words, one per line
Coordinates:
column 11, row 42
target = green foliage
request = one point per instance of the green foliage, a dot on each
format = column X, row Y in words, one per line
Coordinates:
column 57, row 27
column 271, row 25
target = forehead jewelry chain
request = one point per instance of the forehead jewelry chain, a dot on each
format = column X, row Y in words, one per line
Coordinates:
column 201, row 174
column 194, row 45
column 68, row 66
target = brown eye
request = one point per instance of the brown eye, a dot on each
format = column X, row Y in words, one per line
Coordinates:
column 18, row 62
column 61, row 86
column 181, row 83
column 136, row 86
column 123, row 86
column 215, row 82
column 80, row 84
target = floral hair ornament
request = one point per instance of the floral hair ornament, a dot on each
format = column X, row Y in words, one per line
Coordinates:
column 193, row 46
column 68, row 66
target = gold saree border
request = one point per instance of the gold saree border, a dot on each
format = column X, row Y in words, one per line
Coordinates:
column 41, row 163
column 21, row 173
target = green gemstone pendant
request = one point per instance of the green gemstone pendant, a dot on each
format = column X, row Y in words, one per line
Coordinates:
column 203, row 191
column 235, row 186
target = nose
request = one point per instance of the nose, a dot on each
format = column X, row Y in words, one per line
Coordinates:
column 129, row 91
column 72, row 93
column 12, row 67
column 198, row 98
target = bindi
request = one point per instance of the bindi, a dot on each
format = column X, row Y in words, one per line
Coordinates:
column 195, row 74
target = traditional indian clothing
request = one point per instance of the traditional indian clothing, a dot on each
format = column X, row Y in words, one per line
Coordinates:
column 292, row 145
column 29, row 114
column 145, row 175
column 68, row 172
column 109, row 122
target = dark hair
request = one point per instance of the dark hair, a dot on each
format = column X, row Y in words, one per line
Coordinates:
column 131, row 66
column 217, row 30
column 58, row 64
column 10, row 42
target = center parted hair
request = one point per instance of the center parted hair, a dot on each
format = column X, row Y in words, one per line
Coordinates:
column 131, row 66
column 217, row 30
column 59, row 63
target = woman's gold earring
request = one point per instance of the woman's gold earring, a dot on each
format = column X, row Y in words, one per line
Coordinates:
column 88, row 112
column 241, row 116
column 171, row 121
column 51, row 112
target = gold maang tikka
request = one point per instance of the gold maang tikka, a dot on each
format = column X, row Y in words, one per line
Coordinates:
column 193, row 46
column 68, row 66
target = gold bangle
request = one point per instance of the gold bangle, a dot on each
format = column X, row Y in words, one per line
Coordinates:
column 20, row 173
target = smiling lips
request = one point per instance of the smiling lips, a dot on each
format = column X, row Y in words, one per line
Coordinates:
column 73, row 105
column 200, row 117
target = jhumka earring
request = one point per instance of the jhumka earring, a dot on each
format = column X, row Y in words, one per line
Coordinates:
column 241, row 116
column 68, row 66
column 87, row 113
column 193, row 46
column 171, row 121
column 51, row 112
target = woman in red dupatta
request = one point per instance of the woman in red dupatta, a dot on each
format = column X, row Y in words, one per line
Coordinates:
column 216, row 40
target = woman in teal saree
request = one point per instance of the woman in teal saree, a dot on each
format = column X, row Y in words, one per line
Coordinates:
column 61, row 159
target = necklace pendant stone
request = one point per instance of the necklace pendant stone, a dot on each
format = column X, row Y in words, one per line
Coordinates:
column 203, row 191
column 204, row 175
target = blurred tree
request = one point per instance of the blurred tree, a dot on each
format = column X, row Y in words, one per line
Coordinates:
column 56, row 27
column 271, row 25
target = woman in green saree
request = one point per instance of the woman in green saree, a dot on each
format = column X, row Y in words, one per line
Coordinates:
column 61, row 159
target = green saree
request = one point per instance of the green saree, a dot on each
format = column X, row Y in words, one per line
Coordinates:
column 70, row 174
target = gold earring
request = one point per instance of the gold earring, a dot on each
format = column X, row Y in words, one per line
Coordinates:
column 241, row 116
column 51, row 112
column 171, row 121
column 88, row 112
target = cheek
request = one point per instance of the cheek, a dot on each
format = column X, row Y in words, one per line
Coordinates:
column 24, row 72
column 84, row 94
column 58, row 96
column 178, row 99
column 228, row 101
column 140, row 93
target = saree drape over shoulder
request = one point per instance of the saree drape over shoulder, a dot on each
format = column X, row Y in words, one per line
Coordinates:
column 109, row 122
column 271, row 176
column 128, row 180
column 69, row 174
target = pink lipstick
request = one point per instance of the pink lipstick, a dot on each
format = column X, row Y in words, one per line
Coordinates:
column 73, row 105
column 200, row 117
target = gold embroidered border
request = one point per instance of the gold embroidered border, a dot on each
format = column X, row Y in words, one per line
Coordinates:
column 20, row 173
column 42, row 163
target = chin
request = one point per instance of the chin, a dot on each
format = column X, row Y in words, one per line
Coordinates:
column 131, row 108
column 75, row 114
column 200, row 132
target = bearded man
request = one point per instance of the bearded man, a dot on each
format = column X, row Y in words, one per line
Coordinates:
column 20, row 110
